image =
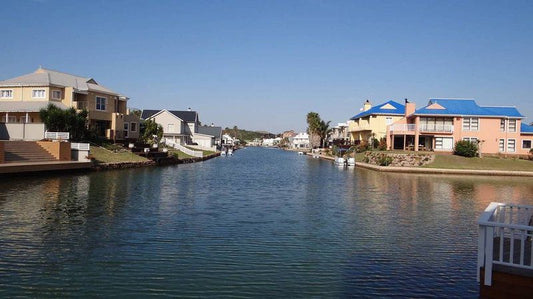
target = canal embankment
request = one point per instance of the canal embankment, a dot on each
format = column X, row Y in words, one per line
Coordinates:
column 437, row 171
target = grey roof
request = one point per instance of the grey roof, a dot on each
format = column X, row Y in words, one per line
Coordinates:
column 212, row 131
column 46, row 77
column 187, row 116
column 27, row 106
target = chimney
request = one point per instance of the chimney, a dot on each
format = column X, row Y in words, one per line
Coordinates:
column 189, row 109
column 409, row 108
column 367, row 105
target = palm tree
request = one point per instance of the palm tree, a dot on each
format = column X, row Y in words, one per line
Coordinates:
column 323, row 131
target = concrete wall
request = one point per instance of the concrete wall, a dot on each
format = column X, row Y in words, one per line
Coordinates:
column 16, row 131
column 60, row 150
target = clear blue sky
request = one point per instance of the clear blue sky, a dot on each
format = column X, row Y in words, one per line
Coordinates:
column 264, row 64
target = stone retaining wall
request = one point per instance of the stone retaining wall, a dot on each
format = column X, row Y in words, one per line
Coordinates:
column 398, row 159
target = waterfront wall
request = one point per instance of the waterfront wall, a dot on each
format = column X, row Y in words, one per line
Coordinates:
column 60, row 150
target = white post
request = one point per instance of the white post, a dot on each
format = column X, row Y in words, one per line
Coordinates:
column 26, row 117
column 7, row 117
column 480, row 251
column 489, row 242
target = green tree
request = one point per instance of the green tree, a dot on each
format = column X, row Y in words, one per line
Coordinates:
column 59, row 120
column 149, row 129
column 313, row 126
column 323, row 132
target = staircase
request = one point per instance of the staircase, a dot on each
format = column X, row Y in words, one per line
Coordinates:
column 25, row 151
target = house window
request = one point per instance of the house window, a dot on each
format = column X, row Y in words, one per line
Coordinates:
column 388, row 120
column 100, row 103
column 526, row 144
column 38, row 93
column 470, row 124
column 6, row 94
column 56, row 94
column 501, row 145
column 126, row 126
column 444, row 143
column 512, row 125
column 133, row 127
column 502, row 125
column 511, row 145
column 9, row 119
column 471, row 139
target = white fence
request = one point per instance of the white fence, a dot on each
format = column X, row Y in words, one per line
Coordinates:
column 505, row 238
column 184, row 149
column 57, row 135
column 80, row 146
column 403, row 127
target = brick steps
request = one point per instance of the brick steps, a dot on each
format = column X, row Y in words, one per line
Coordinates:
column 25, row 151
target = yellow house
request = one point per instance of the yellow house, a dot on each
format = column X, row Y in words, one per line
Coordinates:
column 22, row 97
column 372, row 122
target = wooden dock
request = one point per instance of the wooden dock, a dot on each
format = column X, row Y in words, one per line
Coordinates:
column 27, row 167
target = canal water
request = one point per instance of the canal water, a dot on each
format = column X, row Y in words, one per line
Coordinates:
column 263, row 222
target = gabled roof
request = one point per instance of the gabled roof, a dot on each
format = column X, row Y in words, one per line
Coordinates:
column 212, row 131
column 465, row 107
column 526, row 129
column 46, row 77
column 388, row 108
column 187, row 116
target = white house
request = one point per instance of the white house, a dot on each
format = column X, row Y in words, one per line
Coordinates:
column 301, row 140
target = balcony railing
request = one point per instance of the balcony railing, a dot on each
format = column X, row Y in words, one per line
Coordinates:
column 436, row 128
column 421, row 128
column 57, row 135
column 403, row 128
column 505, row 238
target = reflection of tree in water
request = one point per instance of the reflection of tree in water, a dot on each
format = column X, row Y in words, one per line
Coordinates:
column 463, row 187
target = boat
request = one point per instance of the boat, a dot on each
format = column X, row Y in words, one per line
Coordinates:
column 300, row 153
column 340, row 161
column 230, row 152
column 351, row 161
column 223, row 153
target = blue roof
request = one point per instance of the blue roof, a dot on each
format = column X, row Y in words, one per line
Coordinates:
column 525, row 128
column 379, row 110
column 466, row 107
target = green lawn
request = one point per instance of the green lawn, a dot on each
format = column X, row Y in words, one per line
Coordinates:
column 486, row 163
column 180, row 154
column 205, row 153
column 102, row 155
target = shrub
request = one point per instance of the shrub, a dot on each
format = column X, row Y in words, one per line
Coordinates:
column 362, row 147
column 384, row 160
column 382, row 144
column 375, row 143
column 466, row 148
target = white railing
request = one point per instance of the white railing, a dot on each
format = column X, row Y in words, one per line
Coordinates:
column 184, row 149
column 80, row 146
column 403, row 128
column 57, row 135
column 436, row 128
column 505, row 238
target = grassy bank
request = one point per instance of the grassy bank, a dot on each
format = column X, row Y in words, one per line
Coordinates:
column 486, row 163
column 102, row 155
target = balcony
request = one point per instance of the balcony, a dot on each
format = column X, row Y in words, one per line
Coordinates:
column 364, row 127
column 504, row 247
column 434, row 128
column 403, row 128
column 411, row 128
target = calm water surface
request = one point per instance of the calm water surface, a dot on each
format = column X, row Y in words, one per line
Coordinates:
column 261, row 223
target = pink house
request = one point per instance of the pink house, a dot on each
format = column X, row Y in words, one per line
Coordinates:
column 442, row 122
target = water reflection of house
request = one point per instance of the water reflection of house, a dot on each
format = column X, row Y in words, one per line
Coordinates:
column 442, row 122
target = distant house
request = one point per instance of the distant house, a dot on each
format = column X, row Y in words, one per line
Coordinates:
column 442, row 122
column 208, row 136
column 300, row 141
column 227, row 140
column 372, row 122
column 339, row 134
column 22, row 98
